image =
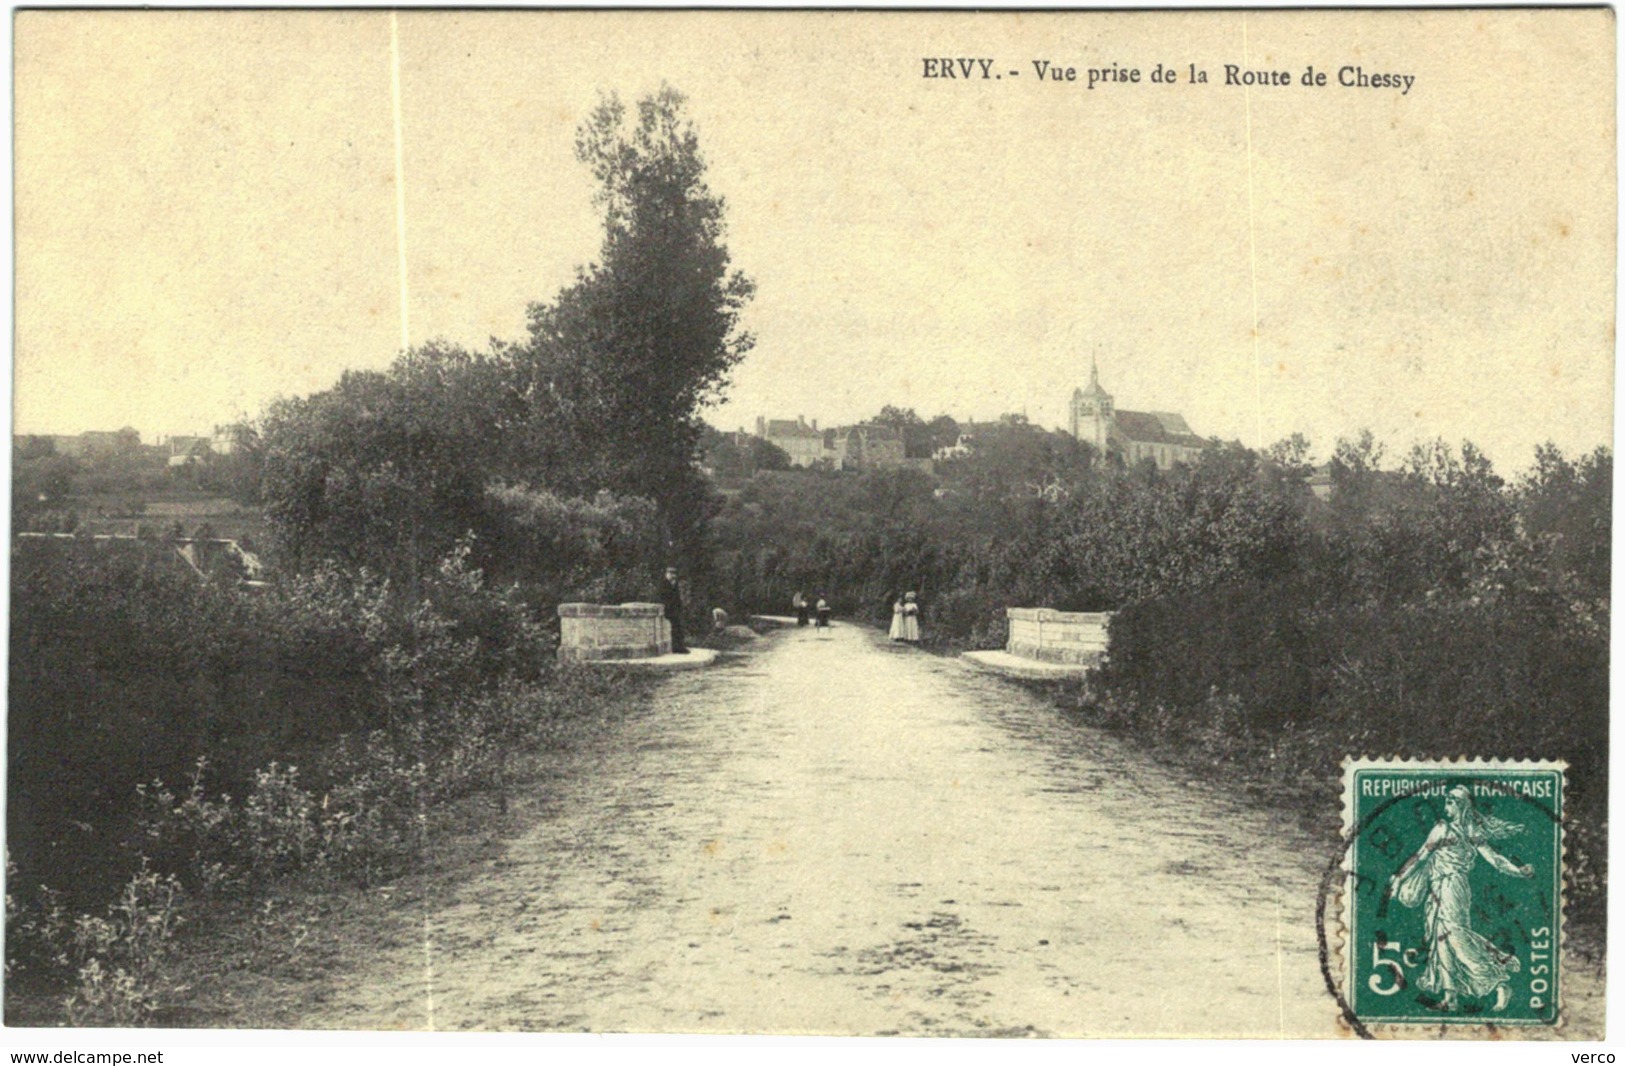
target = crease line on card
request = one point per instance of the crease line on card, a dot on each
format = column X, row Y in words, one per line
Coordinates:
column 1280, row 968
column 406, row 343
column 1252, row 243
column 400, row 174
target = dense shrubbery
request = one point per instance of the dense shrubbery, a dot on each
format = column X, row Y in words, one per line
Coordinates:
column 1032, row 519
column 125, row 667
column 333, row 706
column 591, row 550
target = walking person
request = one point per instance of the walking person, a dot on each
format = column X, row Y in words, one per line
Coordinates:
column 1460, row 960
column 671, row 597
column 823, row 612
column 911, row 619
column 799, row 602
column 896, row 633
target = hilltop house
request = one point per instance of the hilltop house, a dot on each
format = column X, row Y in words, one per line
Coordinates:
column 802, row 442
column 869, row 447
column 965, row 442
column 187, row 450
column 861, row 447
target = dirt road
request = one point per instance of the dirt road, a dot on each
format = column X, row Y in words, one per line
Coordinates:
column 832, row 836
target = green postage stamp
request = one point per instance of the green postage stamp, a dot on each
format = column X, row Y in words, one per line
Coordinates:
column 1453, row 892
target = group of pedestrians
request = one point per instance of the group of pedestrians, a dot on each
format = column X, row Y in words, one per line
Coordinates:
column 905, row 619
column 802, row 607
column 905, row 615
column 671, row 599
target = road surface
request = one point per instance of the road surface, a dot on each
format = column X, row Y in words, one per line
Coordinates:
column 830, row 835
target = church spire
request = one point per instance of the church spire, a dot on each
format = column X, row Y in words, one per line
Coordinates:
column 1091, row 409
column 1094, row 391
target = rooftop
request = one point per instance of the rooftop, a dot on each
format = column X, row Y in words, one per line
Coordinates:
column 1150, row 427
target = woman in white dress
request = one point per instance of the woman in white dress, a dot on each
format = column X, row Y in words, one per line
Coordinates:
column 911, row 620
column 896, row 633
column 1460, row 961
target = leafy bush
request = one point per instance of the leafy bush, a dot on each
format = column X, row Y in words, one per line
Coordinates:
column 120, row 958
column 194, row 835
column 600, row 549
column 371, row 815
column 278, row 830
column 37, row 927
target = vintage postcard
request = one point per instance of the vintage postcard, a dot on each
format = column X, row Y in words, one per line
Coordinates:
column 811, row 523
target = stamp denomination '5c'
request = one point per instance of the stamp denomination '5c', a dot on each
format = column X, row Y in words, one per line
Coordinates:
column 1453, row 902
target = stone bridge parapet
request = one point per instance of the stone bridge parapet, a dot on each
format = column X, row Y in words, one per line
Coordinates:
column 1073, row 637
column 591, row 632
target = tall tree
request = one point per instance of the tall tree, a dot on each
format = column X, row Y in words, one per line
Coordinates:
column 385, row 469
column 646, row 336
column 915, row 433
column 1568, row 505
column 944, row 432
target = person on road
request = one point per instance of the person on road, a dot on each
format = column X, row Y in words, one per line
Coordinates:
column 823, row 612
column 1460, row 960
column 896, row 633
column 671, row 597
column 911, row 619
column 799, row 602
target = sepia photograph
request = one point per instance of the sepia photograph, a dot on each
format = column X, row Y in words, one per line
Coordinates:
column 804, row 524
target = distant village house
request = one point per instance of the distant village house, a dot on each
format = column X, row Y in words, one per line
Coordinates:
column 178, row 450
column 861, row 447
column 802, row 442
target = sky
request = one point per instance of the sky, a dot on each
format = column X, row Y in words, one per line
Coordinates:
column 206, row 211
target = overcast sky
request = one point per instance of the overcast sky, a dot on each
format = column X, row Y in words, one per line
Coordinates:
column 206, row 211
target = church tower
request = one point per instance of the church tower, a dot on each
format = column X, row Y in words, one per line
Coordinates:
column 1092, row 412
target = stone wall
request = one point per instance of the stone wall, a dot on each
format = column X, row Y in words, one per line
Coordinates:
column 1057, row 636
column 591, row 631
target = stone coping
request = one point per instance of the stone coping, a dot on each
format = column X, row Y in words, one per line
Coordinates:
column 581, row 653
column 1002, row 662
column 605, row 610
column 1046, row 614
column 694, row 660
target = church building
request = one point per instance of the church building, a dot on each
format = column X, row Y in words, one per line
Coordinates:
column 1160, row 436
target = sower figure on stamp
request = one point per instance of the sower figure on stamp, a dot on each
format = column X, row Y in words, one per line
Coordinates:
column 671, row 597
column 1460, row 962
